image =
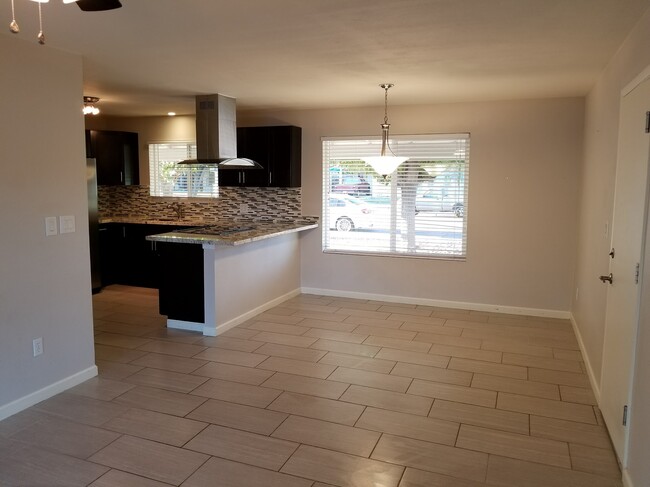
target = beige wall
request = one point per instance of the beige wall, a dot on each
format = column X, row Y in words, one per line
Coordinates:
column 596, row 201
column 525, row 157
column 44, row 282
column 597, row 176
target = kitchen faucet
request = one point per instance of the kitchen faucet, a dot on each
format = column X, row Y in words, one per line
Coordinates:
column 178, row 208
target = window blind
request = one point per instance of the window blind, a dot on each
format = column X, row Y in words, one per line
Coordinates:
column 167, row 178
column 420, row 210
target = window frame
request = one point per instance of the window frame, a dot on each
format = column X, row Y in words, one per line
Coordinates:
column 399, row 146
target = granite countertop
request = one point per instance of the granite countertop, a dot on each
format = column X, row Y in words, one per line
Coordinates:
column 185, row 222
column 236, row 232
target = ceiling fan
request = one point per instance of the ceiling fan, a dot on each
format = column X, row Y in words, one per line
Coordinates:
column 98, row 5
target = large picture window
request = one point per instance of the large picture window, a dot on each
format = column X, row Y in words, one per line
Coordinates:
column 168, row 178
column 419, row 211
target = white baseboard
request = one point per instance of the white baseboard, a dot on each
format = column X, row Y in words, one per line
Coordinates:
column 627, row 481
column 46, row 392
column 513, row 310
column 211, row 331
column 184, row 325
column 249, row 314
column 595, row 384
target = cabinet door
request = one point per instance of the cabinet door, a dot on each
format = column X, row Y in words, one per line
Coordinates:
column 285, row 148
column 229, row 177
column 117, row 156
column 253, row 143
column 111, row 253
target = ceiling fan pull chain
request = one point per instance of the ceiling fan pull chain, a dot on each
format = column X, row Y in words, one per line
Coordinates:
column 13, row 26
column 41, row 36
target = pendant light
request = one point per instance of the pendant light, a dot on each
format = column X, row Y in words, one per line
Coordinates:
column 89, row 105
column 385, row 164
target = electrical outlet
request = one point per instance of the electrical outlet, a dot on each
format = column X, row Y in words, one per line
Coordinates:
column 37, row 345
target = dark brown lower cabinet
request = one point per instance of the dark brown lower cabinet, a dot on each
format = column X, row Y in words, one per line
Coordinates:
column 181, row 281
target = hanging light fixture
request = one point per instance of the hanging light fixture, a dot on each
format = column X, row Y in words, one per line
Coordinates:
column 89, row 105
column 385, row 164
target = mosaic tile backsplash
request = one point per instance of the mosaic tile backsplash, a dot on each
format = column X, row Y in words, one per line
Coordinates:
column 260, row 204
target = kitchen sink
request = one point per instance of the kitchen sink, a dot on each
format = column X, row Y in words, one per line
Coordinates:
column 217, row 230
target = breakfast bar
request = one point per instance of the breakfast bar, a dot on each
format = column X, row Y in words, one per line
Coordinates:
column 218, row 276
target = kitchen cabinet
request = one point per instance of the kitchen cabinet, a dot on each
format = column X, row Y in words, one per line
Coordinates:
column 126, row 257
column 116, row 154
column 278, row 149
column 181, row 293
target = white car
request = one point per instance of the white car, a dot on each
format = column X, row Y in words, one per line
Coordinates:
column 348, row 213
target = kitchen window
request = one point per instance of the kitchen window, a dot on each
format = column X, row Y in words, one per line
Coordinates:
column 168, row 178
column 418, row 211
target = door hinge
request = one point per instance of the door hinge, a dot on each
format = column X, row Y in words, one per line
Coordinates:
column 625, row 415
column 636, row 274
column 647, row 122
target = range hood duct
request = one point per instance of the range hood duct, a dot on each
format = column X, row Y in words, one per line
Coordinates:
column 216, row 134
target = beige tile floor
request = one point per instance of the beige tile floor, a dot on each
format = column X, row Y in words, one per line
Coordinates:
column 319, row 392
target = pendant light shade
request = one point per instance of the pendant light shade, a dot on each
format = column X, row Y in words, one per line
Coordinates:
column 385, row 164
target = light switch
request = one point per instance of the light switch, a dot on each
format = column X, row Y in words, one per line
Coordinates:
column 50, row 226
column 66, row 224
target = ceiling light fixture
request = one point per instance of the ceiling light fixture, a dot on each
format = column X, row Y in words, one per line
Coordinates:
column 171, row 114
column 385, row 164
column 89, row 105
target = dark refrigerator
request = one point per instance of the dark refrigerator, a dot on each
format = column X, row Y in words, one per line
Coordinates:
column 93, row 225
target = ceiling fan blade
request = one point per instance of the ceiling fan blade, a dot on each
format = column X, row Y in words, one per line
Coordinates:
column 98, row 5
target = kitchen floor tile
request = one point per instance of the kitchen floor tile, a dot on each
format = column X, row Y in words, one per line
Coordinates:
column 285, row 351
column 393, row 401
column 419, row 478
column 234, row 474
column 150, row 425
column 558, row 377
column 230, row 343
column 373, row 322
column 115, row 370
column 451, row 341
column 234, row 373
column 398, row 344
column 577, row 394
column 467, row 365
column 317, row 408
column 101, row 388
column 451, row 392
column 277, row 328
column 116, row 354
column 480, row 416
column 164, row 379
column 416, row 319
column 434, row 374
column 598, row 461
column 328, row 325
column 298, row 367
column 306, row 385
column 324, row 434
column 542, row 362
column 508, row 346
column 546, row 407
column 465, row 352
column 508, row 472
column 150, row 459
column 378, row 331
column 244, row 447
column 172, row 348
column 159, row 400
column 516, row 386
column 171, row 363
column 237, row 392
column 26, row 465
column 283, row 339
column 342, row 469
column 429, row 328
column 370, row 379
column 409, row 425
column 357, row 362
column 339, row 336
column 80, row 409
column 522, row 447
column 432, row 457
column 116, row 478
column 413, row 357
column 67, row 437
column 570, row 431
column 233, row 357
column 343, row 347
column 122, row 341
column 247, row 418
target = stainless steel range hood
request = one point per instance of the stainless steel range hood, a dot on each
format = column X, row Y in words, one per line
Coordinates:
column 216, row 134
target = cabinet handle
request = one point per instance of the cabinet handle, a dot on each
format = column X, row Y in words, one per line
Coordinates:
column 239, row 177
column 243, row 177
column 124, row 232
column 270, row 178
column 121, row 176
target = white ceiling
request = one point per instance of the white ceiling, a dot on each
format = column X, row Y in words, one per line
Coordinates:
column 150, row 57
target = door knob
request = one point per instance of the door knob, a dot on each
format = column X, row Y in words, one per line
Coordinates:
column 609, row 278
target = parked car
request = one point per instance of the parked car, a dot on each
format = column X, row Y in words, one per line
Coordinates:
column 439, row 202
column 349, row 213
column 352, row 184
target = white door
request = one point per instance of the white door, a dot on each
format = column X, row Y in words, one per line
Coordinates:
column 627, row 243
